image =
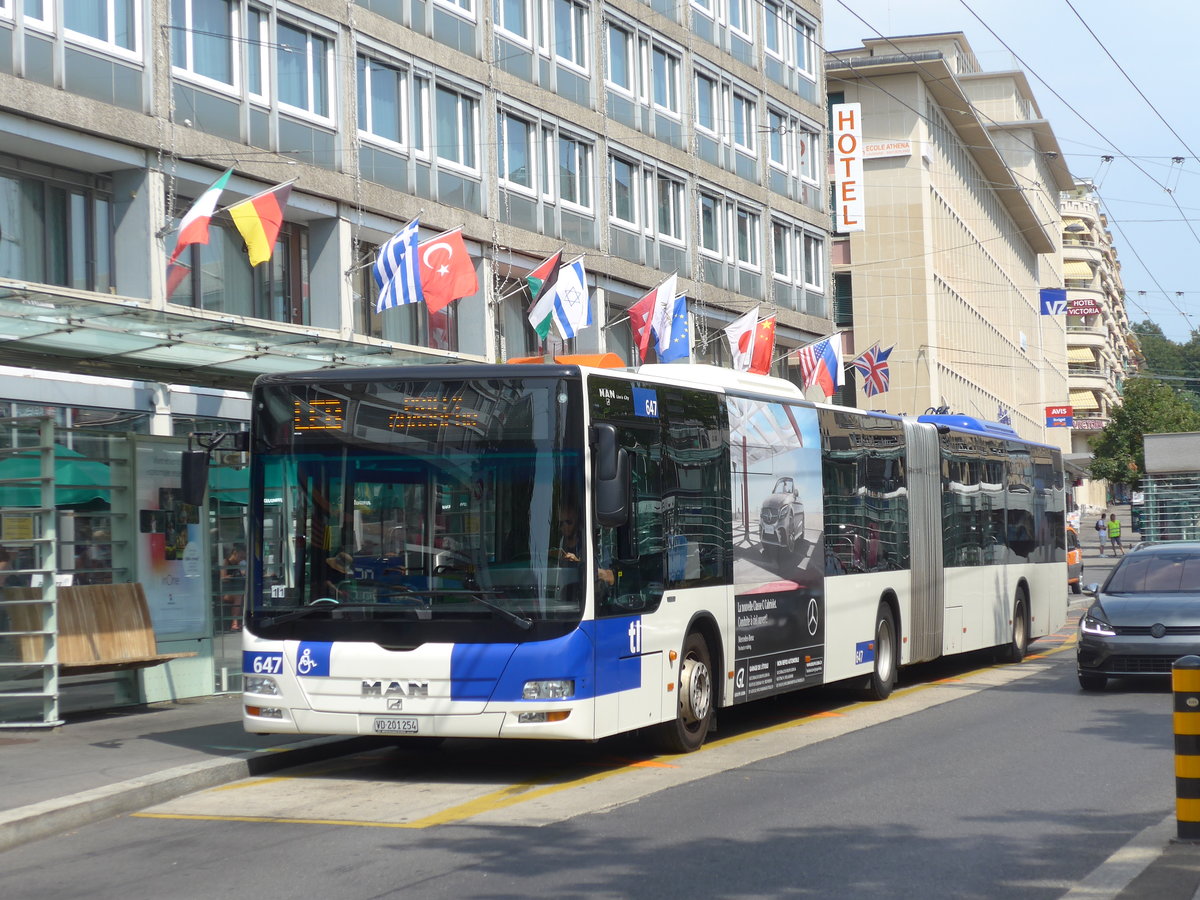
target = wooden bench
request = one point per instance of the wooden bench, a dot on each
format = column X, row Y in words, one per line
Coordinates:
column 101, row 628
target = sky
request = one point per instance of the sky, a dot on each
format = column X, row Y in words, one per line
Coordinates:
column 1112, row 79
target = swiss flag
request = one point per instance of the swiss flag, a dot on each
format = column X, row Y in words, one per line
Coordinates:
column 764, row 347
column 446, row 271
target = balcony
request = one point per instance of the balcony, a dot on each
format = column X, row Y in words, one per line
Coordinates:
column 1087, row 378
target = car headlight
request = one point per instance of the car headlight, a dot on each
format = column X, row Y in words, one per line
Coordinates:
column 1090, row 624
column 550, row 689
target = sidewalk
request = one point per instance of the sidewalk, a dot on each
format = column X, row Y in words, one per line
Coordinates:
column 100, row 765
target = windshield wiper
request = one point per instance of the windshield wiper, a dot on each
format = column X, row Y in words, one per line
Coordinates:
column 517, row 619
column 315, row 607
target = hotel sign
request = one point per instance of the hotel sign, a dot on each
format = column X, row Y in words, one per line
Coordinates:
column 1083, row 306
column 849, row 205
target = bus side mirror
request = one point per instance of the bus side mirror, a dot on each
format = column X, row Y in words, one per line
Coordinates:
column 194, row 481
column 611, row 481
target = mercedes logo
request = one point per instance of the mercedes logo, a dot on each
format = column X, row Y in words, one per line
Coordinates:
column 1158, row 629
column 813, row 618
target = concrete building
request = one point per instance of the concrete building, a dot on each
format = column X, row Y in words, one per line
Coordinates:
column 648, row 138
column 961, row 230
column 1102, row 350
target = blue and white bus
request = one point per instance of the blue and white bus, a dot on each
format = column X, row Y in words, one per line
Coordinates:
column 409, row 574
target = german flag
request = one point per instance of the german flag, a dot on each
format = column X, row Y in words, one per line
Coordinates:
column 259, row 220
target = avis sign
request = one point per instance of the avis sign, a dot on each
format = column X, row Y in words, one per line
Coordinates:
column 1060, row 417
column 849, row 205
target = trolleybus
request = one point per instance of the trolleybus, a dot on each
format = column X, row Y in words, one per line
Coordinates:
column 413, row 570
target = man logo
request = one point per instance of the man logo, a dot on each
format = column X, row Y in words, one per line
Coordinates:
column 395, row 689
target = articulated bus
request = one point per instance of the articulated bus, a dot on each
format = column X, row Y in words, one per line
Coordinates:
column 411, row 573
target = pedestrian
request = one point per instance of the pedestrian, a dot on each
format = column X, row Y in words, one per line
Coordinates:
column 1101, row 533
column 1114, row 534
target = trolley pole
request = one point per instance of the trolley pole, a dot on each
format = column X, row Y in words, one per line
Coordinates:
column 1185, row 686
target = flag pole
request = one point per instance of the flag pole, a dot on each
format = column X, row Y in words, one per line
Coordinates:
column 269, row 190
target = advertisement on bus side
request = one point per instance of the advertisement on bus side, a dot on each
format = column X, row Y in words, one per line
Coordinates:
column 778, row 572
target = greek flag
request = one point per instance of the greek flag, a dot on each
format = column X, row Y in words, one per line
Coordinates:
column 396, row 269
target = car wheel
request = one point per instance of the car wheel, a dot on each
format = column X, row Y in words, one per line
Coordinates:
column 1091, row 682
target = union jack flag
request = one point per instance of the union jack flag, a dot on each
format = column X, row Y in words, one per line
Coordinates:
column 873, row 367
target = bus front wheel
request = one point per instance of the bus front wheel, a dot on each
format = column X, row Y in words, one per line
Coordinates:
column 696, row 697
column 881, row 681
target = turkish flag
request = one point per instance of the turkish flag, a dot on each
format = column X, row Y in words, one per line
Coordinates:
column 446, row 271
column 764, row 347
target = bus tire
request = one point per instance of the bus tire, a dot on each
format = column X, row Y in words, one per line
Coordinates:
column 696, row 699
column 883, row 679
column 1018, row 644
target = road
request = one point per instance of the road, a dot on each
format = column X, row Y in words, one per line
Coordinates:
column 972, row 780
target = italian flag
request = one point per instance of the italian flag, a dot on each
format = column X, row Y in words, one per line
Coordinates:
column 194, row 227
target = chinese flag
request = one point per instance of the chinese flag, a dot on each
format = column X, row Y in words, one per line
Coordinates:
column 764, row 347
column 446, row 271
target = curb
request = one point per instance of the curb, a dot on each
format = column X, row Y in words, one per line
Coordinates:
column 52, row 817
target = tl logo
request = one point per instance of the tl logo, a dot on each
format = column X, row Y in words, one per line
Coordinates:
column 635, row 636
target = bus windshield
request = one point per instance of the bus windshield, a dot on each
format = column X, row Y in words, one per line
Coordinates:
column 401, row 511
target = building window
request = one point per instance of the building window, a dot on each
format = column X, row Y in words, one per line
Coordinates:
column 574, row 171
column 773, row 25
column 456, row 116
column 665, row 75
column 738, row 12
column 304, row 59
column 710, row 225
column 512, row 18
column 620, row 58
column 56, row 232
column 571, row 33
column 745, row 123
column 386, row 108
column 221, row 279
column 706, row 103
column 647, row 198
column 748, row 237
column 203, row 36
column 515, row 150
column 670, row 207
column 110, row 23
column 624, row 191
column 814, row 266
column 464, row 8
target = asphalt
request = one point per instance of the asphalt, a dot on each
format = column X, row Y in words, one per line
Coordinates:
column 106, row 764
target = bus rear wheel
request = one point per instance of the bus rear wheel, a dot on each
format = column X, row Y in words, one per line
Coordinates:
column 883, row 679
column 1014, row 651
column 696, row 695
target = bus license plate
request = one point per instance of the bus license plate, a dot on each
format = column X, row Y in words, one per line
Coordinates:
column 394, row 725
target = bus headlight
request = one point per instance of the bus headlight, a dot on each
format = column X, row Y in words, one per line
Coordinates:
column 550, row 689
column 260, row 684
